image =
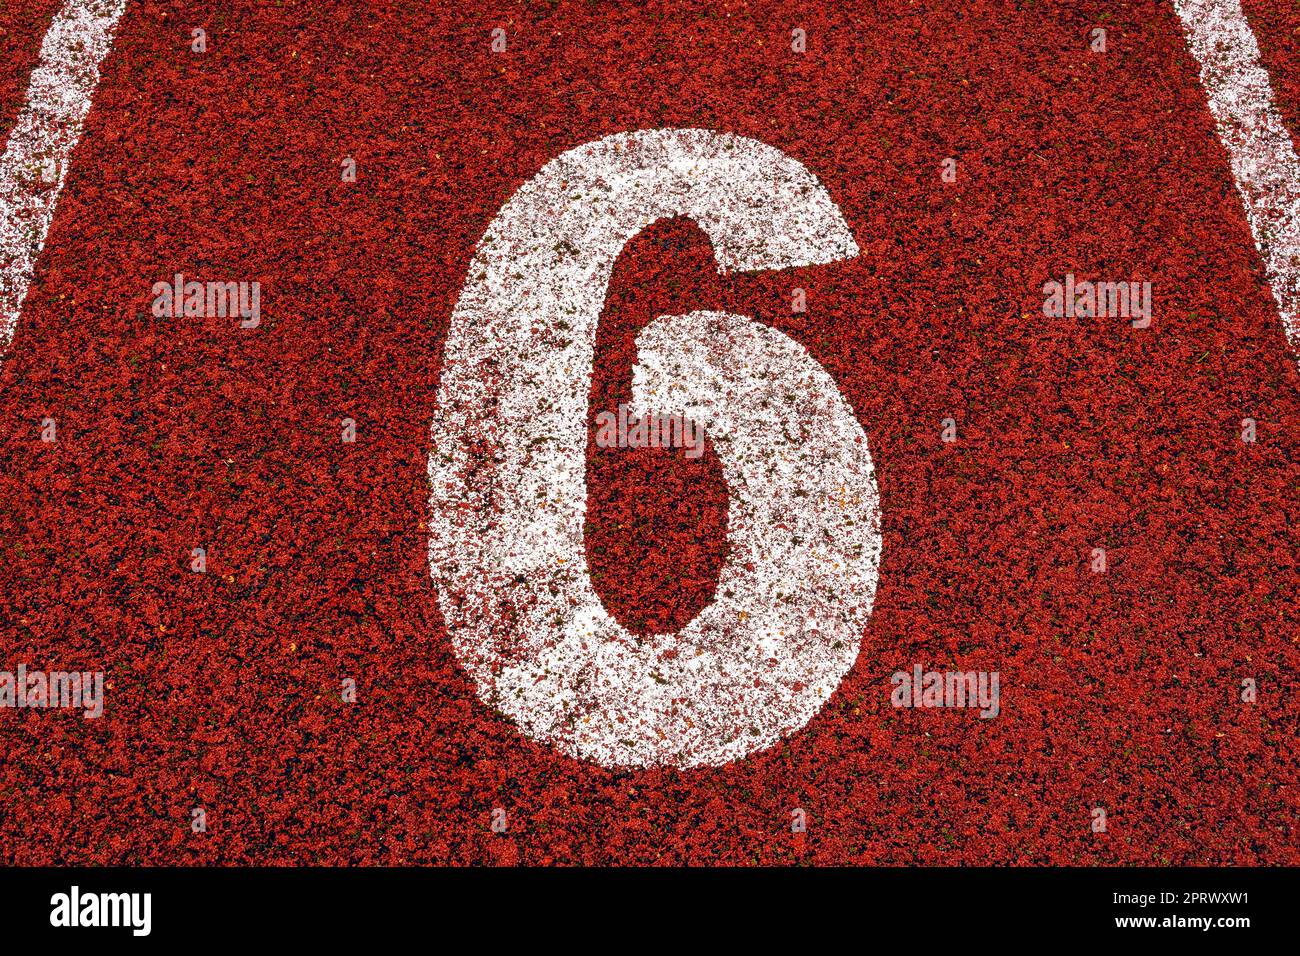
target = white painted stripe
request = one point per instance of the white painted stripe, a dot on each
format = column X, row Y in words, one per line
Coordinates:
column 1263, row 159
column 47, row 129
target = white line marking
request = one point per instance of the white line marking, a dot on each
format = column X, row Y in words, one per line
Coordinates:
column 1263, row 159
column 46, row 132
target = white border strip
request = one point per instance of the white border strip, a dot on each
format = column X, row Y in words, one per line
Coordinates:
column 47, row 129
column 1263, row 158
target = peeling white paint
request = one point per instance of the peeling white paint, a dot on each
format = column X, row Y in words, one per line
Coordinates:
column 1260, row 150
column 45, row 133
column 508, row 472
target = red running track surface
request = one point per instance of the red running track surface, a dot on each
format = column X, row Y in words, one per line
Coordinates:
column 1119, row 690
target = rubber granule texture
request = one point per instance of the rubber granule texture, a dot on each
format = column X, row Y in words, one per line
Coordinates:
column 1120, row 690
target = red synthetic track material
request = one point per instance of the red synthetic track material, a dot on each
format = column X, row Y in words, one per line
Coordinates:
column 1120, row 690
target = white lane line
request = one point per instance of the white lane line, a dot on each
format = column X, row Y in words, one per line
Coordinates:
column 1263, row 159
column 42, row 140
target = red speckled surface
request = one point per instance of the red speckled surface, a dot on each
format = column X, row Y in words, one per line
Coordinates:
column 1118, row 690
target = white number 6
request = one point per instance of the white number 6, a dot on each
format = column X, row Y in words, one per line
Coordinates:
column 508, row 464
